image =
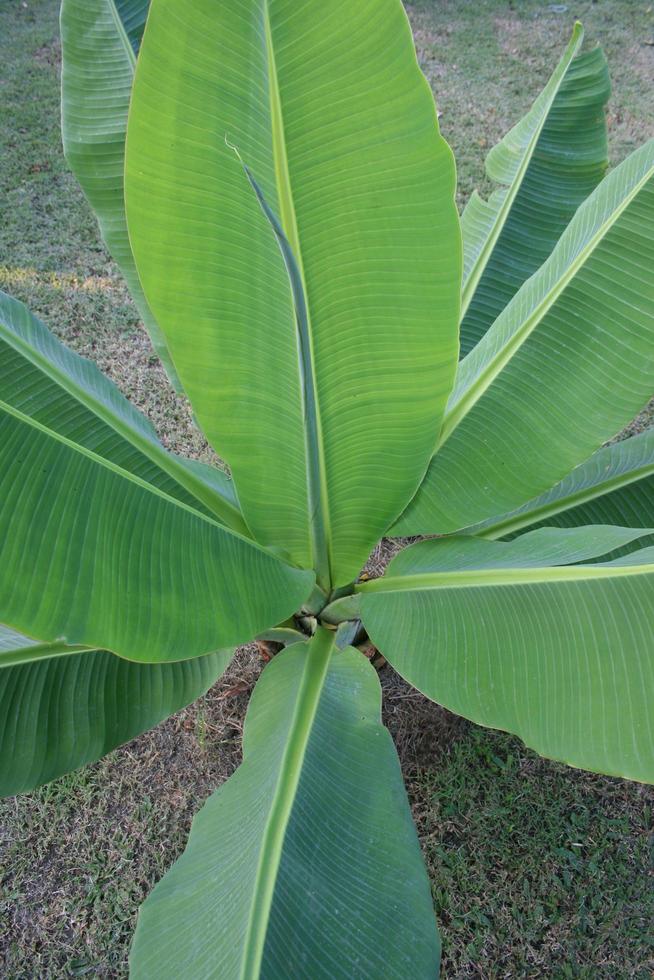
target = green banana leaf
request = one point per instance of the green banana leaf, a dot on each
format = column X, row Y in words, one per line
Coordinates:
column 306, row 862
column 67, row 393
column 343, row 143
column 93, row 555
column 132, row 15
column 519, row 636
column 546, row 165
column 65, row 708
column 565, row 367
column 17, row 650
column 100, row 41
column 614, row 486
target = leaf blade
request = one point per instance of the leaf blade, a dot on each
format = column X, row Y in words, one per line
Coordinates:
column 59, row 714
column 95, row 556
column 40, row 376
column 327, row 917
column 614, row 486
column 582, row 324
column 558, row 655
column 372, row 204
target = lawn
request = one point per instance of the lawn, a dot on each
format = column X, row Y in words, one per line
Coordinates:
column 537, row 870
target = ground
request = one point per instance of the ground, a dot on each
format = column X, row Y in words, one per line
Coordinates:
column 537, row 870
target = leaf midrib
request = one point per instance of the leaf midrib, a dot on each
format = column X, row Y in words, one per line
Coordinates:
column 149, row 447
column 493, row 577
column 318, row 497
column 562, row 504
column 272, row 845
column 40, row 651
column 126, row 475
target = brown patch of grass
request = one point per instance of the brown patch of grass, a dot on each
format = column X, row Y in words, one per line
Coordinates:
column 49, row 54
column 641, row 59
column 510, row 33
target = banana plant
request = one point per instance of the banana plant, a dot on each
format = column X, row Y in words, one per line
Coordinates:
column 281, row 201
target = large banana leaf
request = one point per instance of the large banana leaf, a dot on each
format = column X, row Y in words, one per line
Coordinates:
column 614, row 486
column 513, row 636
column 65, row 709
column 306, row 862
column 100, row 40
column 568, row 364
column 65, row 392
column 325, row 104
column 92, row 554
column 547, row 165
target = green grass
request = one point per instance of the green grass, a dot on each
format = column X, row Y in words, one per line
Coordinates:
column 537, row 870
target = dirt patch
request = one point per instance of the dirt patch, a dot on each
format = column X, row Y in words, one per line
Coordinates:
column 510, row 34
column 641, row 60
column 427, row 42
column 527, row 40
column 640, row 423
column 49, row 54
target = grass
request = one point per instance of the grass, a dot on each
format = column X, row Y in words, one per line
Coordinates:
column 537, row 870
column 486, row 60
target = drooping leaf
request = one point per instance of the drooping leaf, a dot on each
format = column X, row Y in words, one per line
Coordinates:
column 565, row 367
column 327, row 108
column 100, row 41
column 513, row 636
column 60, row 712
column 306, row 862
column 546, row 165
column 42, row 378
column 614, row 486
column 91, row 554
